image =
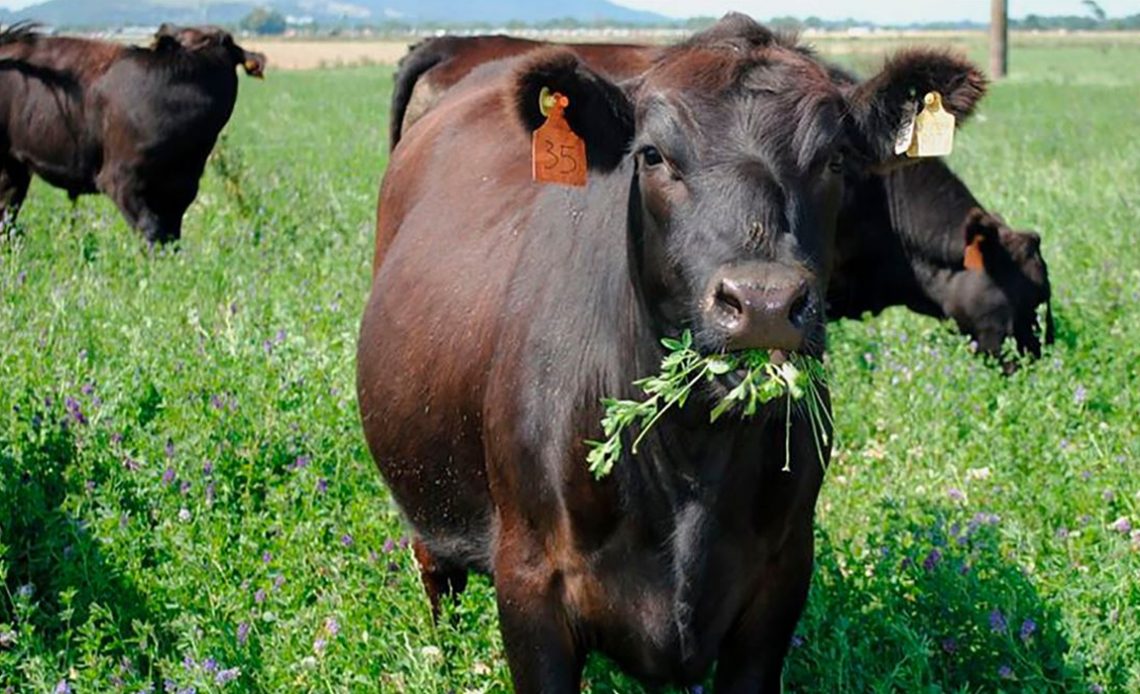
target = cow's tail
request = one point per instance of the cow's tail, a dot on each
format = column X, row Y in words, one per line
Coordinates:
column 20, row 31
column 421, row 57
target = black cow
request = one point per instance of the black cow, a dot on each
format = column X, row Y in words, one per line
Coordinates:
column 136, row 124
column 503, row 310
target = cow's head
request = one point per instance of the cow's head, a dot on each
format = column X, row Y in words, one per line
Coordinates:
column 737, row 142
column 1003, row 284
column 209, row 39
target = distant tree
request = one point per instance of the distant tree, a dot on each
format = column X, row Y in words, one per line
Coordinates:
column 265, row 22
column 1096, row 10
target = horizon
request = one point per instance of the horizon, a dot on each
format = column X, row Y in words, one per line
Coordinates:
column 883, row 12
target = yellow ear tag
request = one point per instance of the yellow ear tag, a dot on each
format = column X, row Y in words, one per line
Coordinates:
column 558, row 155
column 933, row 129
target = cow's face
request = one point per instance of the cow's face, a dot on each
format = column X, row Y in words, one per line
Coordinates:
column 1004, row 283
column 210, row 38
column 738, row 141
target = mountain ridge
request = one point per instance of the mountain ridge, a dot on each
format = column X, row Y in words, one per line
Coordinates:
column 110, row 13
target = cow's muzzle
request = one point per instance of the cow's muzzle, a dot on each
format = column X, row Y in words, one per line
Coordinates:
column 762, row 306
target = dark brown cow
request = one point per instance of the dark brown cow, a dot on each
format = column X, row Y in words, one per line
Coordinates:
column 902, row 235
column 503, row 310
column 135, row 124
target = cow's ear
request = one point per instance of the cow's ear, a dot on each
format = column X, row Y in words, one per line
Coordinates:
column 882, row 105
column 981, row 231
column 599, row 111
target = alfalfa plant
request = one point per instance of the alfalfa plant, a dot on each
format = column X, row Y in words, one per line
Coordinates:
column 801, row 380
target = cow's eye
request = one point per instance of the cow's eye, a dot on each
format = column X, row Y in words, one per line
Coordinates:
column 651, row 156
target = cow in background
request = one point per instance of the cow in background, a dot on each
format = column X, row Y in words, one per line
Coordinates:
column 903, row 235
column 136, row 124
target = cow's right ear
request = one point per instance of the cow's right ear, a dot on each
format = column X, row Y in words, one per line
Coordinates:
column 981, row 232
column 165, row 38
column 599, row 111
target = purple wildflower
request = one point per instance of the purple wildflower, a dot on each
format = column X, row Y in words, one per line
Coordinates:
column 319, row 646
column 1108, row 495
column 21, row 277
column 267, row 346
column 259, row 596
column 322, row 485
column 188, row 690
column 1062, row 533
column 393, row 566
column 184, row 488
column 404, row 542
column 332, row 626
column 210, row 493
column 302, row 461
column 131, row 464
column 278, row 582
column 266, row 557
column 346, row 540
column 955, row 494
column 1080, row 395
column 207, row 468
column 1096, row 688
column 389, row 546
column 1028, row 628
column 90, row 485
column 62, row 688
column 184, row 515
column 168, row 476
column 932, row 560
column 1121, row 525
column 117, row 437
column 169, row 448
column 169, row 686
column 797, row 641
column 75, row 411
column 226, row 676
column 950, row 644
column 1005, row 672
column 188, row 662
column 26, row 591
column 216, row 402
column 279, row 337
column 997, row 622
column 210, row 665
column 243, row 633
column 88, row 388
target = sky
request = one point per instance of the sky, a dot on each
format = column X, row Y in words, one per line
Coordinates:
column 881, row 11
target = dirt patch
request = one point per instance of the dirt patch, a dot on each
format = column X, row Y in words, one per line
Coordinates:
column 312, row 55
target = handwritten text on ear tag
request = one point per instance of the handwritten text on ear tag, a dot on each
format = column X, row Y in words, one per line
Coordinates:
column 558, row 155
column 933, row 129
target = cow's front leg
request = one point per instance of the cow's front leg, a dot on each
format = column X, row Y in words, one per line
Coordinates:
column 751, row 660
column 541, row 649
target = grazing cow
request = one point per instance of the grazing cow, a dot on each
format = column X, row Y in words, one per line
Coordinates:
column 135, row 124
column 902, row 235
column 503, row 310
column 922, row 240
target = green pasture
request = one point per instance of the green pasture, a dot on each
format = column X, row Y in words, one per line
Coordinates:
column 186, row 502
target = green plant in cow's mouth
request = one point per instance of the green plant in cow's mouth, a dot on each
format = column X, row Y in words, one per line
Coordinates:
column 800, row 378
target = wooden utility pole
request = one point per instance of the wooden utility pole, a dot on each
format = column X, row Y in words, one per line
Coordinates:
column 999, row 32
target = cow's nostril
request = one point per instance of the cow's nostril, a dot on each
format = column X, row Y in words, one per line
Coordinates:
column 800, row 310
column 728, row 301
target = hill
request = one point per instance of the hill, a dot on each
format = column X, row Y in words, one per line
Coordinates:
column 104, row 13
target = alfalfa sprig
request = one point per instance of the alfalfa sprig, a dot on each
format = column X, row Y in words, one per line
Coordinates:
column 683, row 368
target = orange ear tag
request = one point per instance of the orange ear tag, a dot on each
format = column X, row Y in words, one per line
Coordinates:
column 558, row 155
column 973, row 259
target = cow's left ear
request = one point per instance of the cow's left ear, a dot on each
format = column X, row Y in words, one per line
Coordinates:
column 882, row 105
column 599, row 111
column 981, row 232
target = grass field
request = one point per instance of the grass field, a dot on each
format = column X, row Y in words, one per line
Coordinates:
column 186, row 502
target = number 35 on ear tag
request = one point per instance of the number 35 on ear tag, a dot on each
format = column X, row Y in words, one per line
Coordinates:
column 558, row 155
